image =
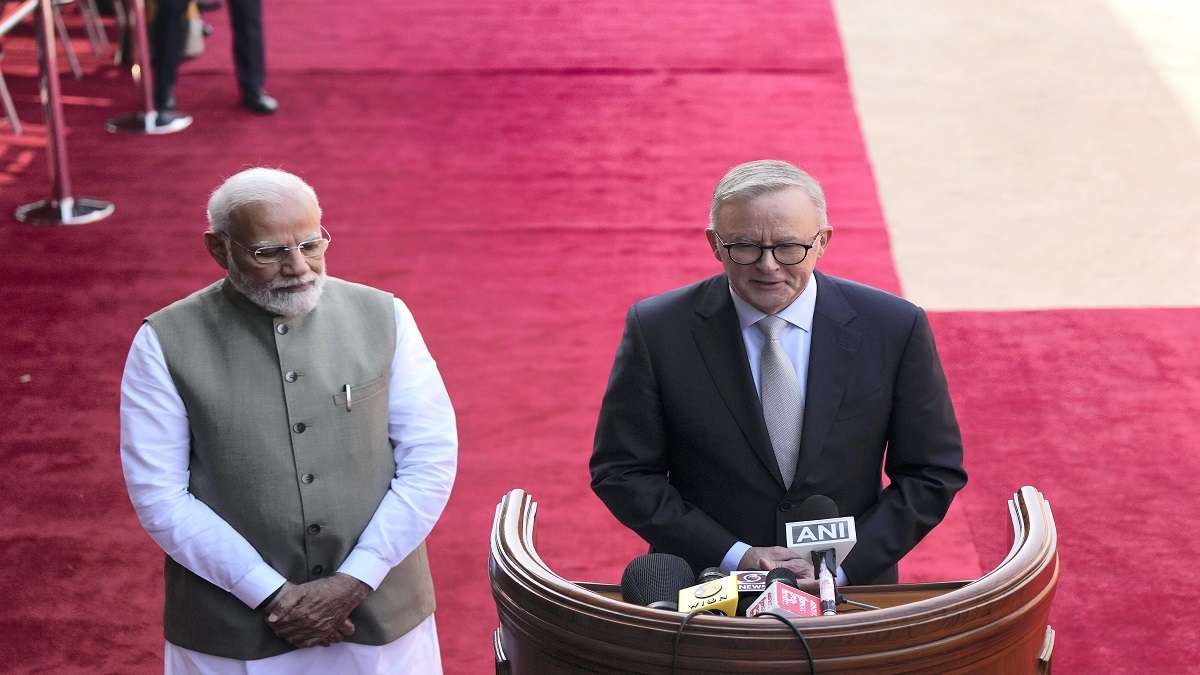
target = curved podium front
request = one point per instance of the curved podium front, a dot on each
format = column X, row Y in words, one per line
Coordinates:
column 996, row 624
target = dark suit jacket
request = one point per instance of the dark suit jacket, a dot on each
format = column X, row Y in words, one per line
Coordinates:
column 682, row 454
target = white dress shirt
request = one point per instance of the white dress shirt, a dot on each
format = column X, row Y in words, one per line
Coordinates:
column 155, row 448
column 796, row 341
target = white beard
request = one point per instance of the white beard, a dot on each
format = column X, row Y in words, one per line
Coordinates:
column 270, row 296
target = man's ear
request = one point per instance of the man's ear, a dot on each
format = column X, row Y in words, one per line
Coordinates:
column 216, row 248
column 711, row 235
column 826, row 235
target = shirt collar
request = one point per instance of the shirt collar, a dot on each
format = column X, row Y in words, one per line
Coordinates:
column 799, row 313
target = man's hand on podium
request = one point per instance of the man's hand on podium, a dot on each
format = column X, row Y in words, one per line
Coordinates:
column 767, row 558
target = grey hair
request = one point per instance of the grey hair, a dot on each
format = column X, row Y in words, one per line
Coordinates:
column 763, row 176
column 259, row 185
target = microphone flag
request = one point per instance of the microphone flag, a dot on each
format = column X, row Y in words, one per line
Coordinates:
column 719, row 596
column 786, row 600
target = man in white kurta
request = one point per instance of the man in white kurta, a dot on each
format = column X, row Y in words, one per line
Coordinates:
column 156, row 447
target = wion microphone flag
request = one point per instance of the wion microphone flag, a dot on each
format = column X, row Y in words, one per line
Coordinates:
column 717, row 596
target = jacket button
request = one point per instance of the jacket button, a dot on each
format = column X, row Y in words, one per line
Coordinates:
column 307, row 478
column 282, row 329
column 299, row 427
column 785, row 506
column 291, row 376
column 318, row 570
column 314, row 529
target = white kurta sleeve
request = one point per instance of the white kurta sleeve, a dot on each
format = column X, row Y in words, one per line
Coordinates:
column 424, row 439
column 155, row 446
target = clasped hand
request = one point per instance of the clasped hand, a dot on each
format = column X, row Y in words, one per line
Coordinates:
column 770, row 557
column 316, row 613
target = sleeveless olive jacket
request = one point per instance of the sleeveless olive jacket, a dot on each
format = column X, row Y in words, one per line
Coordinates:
column 277, row 452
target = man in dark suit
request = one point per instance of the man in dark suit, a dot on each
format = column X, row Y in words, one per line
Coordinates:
column 718, row 385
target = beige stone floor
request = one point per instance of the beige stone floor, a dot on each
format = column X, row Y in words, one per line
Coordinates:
column 1034, row 154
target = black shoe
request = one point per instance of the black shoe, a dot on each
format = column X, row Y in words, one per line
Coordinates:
column 260, row 102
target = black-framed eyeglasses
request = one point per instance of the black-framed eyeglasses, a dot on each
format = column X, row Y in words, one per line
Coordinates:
column 269, row 254
column 744, row 253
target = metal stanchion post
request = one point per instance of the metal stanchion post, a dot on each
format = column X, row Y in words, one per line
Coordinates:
column 144, row 121
column 95, row 27
column 62, row 208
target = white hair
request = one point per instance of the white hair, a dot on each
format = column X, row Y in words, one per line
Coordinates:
column 259, row 185
column 763, row 176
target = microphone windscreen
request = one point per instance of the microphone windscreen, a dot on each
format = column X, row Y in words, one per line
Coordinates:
column 655, row 577
column 782, row 574
column 817, row 507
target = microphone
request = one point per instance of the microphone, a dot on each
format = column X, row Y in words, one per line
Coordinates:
column 825, row 538
column 782, row 596
column 750, row 584
column 717, row 593
column 782, row 574
column 654, row 579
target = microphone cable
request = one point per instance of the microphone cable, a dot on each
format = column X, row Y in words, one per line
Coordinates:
column 679, row 634
column 812, row 666
column 861, row 605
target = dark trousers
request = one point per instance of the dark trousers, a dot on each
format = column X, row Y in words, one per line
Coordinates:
column 248, row 53
column 167, row 33
column 169, row 30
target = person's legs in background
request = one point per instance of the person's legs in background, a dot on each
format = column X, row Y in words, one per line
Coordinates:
column 167, row 33
column 249, row 55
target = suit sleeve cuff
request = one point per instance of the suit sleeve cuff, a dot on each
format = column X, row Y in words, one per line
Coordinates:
column 733, row 558
column 258, row 585
column 366, row 567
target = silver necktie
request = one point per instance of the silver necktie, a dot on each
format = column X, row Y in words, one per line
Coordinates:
column 783, row 408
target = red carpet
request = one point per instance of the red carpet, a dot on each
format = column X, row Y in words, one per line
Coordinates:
column 1098, row 410
column 520, row 176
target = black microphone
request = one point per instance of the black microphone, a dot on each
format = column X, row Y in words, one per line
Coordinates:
column 815, row 511
column 654, row 580
column 782, row 574
column 817, row 507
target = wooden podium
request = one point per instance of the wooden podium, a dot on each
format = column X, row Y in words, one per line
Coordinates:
column 995, row 624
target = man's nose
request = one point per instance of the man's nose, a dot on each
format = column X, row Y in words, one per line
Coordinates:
column 767, row 261
column 294, row 263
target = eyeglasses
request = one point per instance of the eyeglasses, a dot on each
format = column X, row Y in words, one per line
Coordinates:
column 270, row 254
column 785, row 254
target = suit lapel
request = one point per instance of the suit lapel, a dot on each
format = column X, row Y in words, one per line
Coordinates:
column 718, row 337
column 832, row 352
